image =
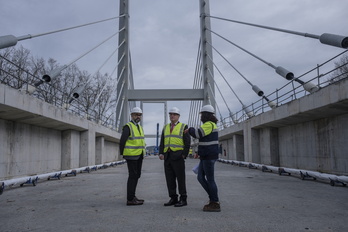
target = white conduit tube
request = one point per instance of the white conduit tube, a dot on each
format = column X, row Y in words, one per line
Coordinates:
column 291, row 171
column 47, row 176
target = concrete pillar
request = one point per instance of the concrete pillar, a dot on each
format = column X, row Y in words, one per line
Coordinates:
column 251, row 143
column 99, row 150
column 269, row 146
column 255, row 146
column 87, row 148
column 70, row 149
column 238, row 147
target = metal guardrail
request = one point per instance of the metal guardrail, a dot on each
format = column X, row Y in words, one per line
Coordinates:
column 21, row 79
column 322, row 75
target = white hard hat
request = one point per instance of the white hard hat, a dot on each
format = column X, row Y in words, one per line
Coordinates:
column 174, row 110
column 136, row 110
column 208, row 108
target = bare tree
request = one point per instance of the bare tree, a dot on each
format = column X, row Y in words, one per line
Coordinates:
column 341, row 71
column 12, row 65
column 19, row 68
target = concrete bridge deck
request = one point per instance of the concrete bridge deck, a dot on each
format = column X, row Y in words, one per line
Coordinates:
column 251, row 200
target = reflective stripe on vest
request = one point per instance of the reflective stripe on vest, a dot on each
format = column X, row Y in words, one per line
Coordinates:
column 135, row 144
column 206, row 129
column 174, row 140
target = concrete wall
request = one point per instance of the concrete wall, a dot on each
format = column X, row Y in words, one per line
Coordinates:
column 310, row 133
column 27, row 149
column 37, row 138
column 321, row 145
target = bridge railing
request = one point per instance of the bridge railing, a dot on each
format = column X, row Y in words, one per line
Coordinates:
column 322, row 75
column 18, row 78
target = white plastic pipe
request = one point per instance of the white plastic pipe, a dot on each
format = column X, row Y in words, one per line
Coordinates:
column 22, row 180
column 317, row 175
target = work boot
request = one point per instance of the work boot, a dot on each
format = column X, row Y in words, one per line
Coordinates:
column 182, row 202
column 172, row 201
column 212, row 207
column 134, row 202
column 140, row 200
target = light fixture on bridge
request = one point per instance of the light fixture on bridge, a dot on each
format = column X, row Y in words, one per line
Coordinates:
column 260, row 93
column 326, row 38
column 257, row 90
column 46, row 78
column 334, row 40
column 284, row 73
column 11, row 40
column 53, row 74
column 75, row 95
column 8, row 41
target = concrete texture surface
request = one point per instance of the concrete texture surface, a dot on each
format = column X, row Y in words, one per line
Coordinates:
column 251, row 200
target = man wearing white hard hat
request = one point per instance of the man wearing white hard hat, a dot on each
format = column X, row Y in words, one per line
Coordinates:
column 174, row 148
column 132, row 147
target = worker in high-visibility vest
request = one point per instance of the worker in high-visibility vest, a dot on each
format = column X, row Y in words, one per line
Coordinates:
column 208, row 153
column 132, row 147
column 174, row 148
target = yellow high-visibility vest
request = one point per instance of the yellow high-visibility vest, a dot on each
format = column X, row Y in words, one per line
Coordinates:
column 174, row 140
column 135, row 144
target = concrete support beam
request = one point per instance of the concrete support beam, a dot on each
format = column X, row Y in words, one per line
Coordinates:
column 238, row 147
column 99, row 150
column 269, row 146
column 251, row 143
column 255, row 146
column 87, row 148
column 165, row 94
column 70, row 152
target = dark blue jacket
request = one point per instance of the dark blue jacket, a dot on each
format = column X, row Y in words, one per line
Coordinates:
column 208, row 147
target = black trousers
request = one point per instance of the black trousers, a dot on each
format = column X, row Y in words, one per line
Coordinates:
column 134, row 173
column 174, row 169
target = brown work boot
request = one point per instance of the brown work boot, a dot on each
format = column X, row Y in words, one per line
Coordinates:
column 212, row 207
column 134, row 202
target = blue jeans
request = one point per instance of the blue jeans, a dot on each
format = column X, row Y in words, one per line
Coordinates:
column 205, row 176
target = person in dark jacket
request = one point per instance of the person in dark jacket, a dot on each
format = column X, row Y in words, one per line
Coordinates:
column 174, row 148
column 208, row 153
column 132, row 147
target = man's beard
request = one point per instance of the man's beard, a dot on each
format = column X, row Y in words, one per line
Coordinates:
column 137, row 120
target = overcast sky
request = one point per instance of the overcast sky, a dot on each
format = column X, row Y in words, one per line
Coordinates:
column 164, row 38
